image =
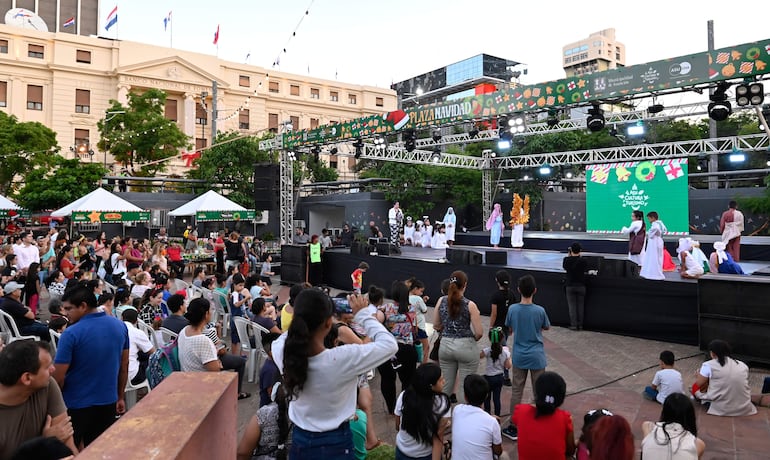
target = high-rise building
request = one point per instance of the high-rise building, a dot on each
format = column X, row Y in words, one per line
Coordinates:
column 600, row 51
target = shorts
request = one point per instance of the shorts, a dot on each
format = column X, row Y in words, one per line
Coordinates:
column 421, row 333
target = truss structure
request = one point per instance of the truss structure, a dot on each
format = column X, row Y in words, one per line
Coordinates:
column 287, row 197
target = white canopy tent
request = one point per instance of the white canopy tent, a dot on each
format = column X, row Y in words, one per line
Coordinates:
column 98, row 200
column 210, row 201
column 5, row 203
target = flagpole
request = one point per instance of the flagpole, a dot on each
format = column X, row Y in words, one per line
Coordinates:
column 171, row 31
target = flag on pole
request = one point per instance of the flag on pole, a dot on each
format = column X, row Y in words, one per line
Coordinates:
column 166, row 21
column 248, row 55
column 69, row 22
column 216, row 35
column 112, row 18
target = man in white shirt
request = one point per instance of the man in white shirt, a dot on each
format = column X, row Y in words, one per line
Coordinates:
column 395, row 218
column 26, row 252
column 475, row 433
column 139, row 342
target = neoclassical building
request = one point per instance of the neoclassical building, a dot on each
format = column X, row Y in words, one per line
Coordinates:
column 66, row 81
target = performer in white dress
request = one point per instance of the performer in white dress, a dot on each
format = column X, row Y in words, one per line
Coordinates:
column 427, row 232
column 417, row 237
column 450, row 221
column 439, row 240
column 652, row 264
column 690, row 268
column 409, row 232
column 636, row 232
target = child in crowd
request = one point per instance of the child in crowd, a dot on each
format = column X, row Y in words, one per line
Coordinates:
column 611, row 439
column 266, row 271
column 417, row 301
column 545, row 431
column 498, row 362
column 666, row 381
column 54, row 307
column 475, row 434
column 58, row 324
column 269, row 373
column 106, row 302
column 56, row 284
column 358, row 276
column 199, row 274
column 591, row 417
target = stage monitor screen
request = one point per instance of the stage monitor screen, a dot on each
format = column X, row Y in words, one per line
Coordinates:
column 614, row 190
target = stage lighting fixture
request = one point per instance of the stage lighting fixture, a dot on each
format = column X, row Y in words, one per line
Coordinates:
column 436, row 134
column 635, row 130
column 568, row 174
column 737, row 157
column 544, row 170
column 517, row 124
column 410, row 138
column 749, row 93
column 703, row 162
column 504, row 143
column 473, row 132
column 436, row 156
column 380, row 144
column 614, row 130
column 552, row 121
column 526, row 174
column 720, row 108
column 595, row 121
column 655, row 108
column 359, row 146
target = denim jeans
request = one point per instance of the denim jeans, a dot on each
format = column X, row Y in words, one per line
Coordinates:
column 329, row 445
column 576, row 299
column 495, row 386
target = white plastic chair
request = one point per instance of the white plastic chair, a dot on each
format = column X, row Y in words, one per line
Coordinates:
column 223, row 309
column 168, row 335
column 55, row 336
column 256, row 353
column 8, row 324
column 131, row 391
column 147, row 329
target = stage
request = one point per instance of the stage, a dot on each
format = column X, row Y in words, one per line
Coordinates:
column 617, row 300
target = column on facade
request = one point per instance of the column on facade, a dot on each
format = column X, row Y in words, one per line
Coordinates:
column 188, row 125
column 123, row 93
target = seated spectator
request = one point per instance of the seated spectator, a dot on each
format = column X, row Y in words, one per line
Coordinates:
column 174, row 253
column 268, row 432
column 23, row 316
column 475, row 433
column 720, row 261
column 54, row 308
column 666, row 381
column 140, row 349
column 142, row 282
column 591, row 417
column 675, row 436
column 263, row 314
column 106, row 303
column 58, row 324
column 28, row 396
column 122, row 300
column 176, row 321
column 267, row 270
column 611, row 439
column 150, row 305
column 199, row 274
column 724, row 383
column 269, row 373
column 56, row 284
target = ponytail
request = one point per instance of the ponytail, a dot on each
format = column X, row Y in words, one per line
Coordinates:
column 375, row 295
column 457, row 282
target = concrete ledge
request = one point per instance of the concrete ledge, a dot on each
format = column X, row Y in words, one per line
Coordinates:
column 191, row 415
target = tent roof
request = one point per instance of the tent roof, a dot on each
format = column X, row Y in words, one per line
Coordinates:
column 98, row 200
column 5, row 203
column 209, row 201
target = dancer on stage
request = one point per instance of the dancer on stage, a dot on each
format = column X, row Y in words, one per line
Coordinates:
column 731, row 226
column 519, row 217
column 637, row 233
column 395, row 220
column 690, row 267
column 409, row 232
column 496, row 225
column 450, row 223
column 427, row 232
column 652, row 264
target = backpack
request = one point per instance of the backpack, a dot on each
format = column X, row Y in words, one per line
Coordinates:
column 108, row 265
column 162, row 363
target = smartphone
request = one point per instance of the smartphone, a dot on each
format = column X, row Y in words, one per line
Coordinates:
column 341, row 304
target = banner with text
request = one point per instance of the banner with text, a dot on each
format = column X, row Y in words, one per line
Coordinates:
column 109, row 217
column 205, row 216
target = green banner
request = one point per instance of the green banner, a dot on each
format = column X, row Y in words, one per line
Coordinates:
column 204, row 216
column 741, row 61
column 20, row 213
column 109, row 217
column 614, row 190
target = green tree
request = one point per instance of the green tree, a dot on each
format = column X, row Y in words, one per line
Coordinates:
column 23, row 147
column 46, row 188
column 407, row 184
column 317, row 171
column 140, row 134
column 230, row 162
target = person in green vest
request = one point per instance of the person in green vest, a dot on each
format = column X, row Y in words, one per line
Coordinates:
column 315, row 271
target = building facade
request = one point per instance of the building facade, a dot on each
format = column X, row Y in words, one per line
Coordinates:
column 66, row 81
column 600, row 51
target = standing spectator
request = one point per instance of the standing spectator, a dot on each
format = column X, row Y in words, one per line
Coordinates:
column 26, row 251
column 174, row 252
column 300, row 237
column 192, row 239
column 498, row 361
column 326, row 240
column 161, row 236
column 117, row 263
column 219, row 251
column 475, row 434
column 358, row 277
column 501, row 300
column 31, row 403
column 66, row 264
column 91, row 365
column 101, row 249
column 575, row 286
column 140, row 349
column 32, row 287
column 459, row 321
column 526, row 321
column 315, row 267
column 23, row 316
column 666, row 381
column 675, row 436
column 611, row 439
column 545, row 431
column 321, row 383
column 417, row 301
column 731, row 226
column 234, row 251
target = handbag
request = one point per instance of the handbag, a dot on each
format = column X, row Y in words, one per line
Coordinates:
column 434, row 349
column 636, row 244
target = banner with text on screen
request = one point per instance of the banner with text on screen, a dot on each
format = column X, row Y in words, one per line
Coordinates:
column 741, row 61
column 614, row 190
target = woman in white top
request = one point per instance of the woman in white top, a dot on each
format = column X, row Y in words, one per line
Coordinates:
column 117, row 262
column 636, row 236
column 321, row 383
column 674, row 437
column 197, row 352
column 652, row 263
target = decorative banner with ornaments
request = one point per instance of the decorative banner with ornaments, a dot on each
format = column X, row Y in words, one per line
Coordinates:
column 741, row 61
column 614, row 190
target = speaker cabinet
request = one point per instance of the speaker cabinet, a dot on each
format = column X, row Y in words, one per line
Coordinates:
column 496, row 258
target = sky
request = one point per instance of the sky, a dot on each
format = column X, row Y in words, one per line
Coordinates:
column 380, row 42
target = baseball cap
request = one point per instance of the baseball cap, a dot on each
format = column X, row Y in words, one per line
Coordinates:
column 12, row 286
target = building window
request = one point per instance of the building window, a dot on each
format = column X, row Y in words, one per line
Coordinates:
column 4, row 46
column 82, row 101
column 273, row 87
column 244, row 81
column 36, row 51
column 34, row 97
column 243, row 119
column 201, row 117
column 294, row 123
column 333, row 162
column 294, row 90
column 617, row 56
column 379, row 102
column 272, row 122
column 334, row 96
column 313, row 123
column 352, row 99
column 200, row 143
column 82, row 138
column 315, row 93
column 3, row 93
column 83, row 56
column 171, row 110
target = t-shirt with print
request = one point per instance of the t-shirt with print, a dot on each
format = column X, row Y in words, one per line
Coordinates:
column 358, row 278
column 398, row 324
column 195, row 352
column 26, row 421
column 503, row 299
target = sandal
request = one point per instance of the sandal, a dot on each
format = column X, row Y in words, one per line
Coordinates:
column 379, row 443
column 243, row 395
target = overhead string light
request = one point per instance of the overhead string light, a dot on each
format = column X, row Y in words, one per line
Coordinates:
column 277, row 61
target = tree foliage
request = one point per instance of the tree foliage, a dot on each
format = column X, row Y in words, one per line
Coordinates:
column 139, row 134
column 69, row 180
column 23, row 147
column 317, row 170
column 231, row 162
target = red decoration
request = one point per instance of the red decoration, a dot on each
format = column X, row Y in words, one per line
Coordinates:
column 189, row 157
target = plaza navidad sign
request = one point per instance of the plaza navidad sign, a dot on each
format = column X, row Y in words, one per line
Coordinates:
column 742, row 61
column 109, row 217
column 207, row 216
